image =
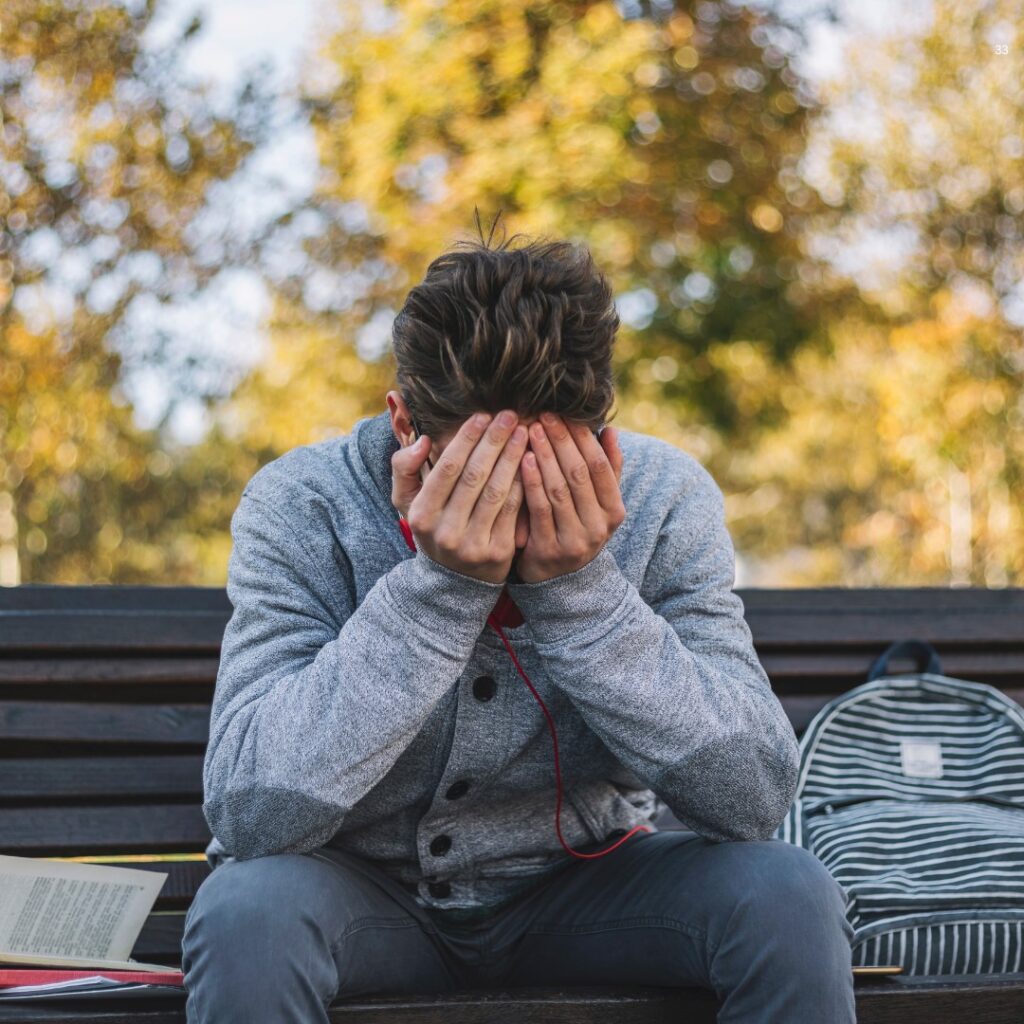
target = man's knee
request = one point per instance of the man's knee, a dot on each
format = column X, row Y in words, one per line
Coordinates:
column 254, row 948
column 787, row 890
column 259, row 912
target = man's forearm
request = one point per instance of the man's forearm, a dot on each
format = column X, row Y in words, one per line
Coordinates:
column 700, row 725
column 306, row 718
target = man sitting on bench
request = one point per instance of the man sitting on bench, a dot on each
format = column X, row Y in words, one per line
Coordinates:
column 380, row 778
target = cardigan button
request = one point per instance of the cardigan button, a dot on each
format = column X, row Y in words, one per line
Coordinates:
column 439, row 889
column 484, row 688
column 440, row 845
column 457, row 789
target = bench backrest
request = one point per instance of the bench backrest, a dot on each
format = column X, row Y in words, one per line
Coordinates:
column 105, row 698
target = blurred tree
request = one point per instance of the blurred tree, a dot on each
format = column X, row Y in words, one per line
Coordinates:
column 667, row 144
column 863, row 418
column 901, row 459
column 105, row 165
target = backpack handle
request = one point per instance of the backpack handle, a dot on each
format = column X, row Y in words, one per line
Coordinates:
column 918, row 649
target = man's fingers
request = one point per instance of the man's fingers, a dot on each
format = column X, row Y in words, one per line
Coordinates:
column 446, row 476
column 495, row 498
column 406, row 480
column 605, row 462
column 542, row 515
column 559, row 492
column 522, row 517
column 506, row 521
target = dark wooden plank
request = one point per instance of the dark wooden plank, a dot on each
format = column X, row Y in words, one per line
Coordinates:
column 989, row 1001
column 90, row 597
column 815, row 627
column 816, row 616
column 846, row 663
column 981, row 999
column 964, row 600
column 165, row 1010
column 104, row 723
column 993, row 999
column 137, row 670
column 998, row 999
column 44, row 617
column 607, row 1005
column 851, row 667
column 159, row 942
column 125, row 828
column 175, row 599
column 183, row 880
column 171, row 775
column 113, row 632
column 190, row 619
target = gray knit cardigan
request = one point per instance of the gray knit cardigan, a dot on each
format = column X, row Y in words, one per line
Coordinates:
column 363, row 702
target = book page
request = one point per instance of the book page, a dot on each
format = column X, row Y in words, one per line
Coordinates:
column 61, row 911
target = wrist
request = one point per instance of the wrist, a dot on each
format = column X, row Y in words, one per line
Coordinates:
column 563, row 607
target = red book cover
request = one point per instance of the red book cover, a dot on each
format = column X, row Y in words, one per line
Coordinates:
column 46, row 976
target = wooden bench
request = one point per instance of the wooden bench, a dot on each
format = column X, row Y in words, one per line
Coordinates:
column 104, row 710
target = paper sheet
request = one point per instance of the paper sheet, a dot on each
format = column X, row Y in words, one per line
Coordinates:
column 72, row 914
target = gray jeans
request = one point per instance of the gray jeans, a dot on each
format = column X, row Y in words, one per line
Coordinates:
column 762, row 923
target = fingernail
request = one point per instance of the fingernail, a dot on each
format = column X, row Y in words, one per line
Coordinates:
column 481, row 419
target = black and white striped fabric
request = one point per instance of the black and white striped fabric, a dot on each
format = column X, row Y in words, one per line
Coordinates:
column 911, row 792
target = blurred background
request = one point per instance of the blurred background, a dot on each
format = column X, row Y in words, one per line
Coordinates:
column 811, row 215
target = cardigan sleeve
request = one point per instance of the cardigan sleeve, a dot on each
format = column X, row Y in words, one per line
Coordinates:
column 315, row 697
column 671, row 681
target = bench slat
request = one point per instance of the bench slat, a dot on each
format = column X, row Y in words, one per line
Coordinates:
column 104, row 723
column 983, row 999
column 788, row 666
column 898, row 600
column 172, row 775
column 844, row 668
column 813, row 627
column 134, row 670
column 126, row 828
column 49, row 618
column 46, row 617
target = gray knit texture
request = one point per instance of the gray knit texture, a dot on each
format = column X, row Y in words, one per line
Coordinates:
column 345, row 710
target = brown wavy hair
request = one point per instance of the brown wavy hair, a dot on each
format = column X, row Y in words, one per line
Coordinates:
column 490, row 328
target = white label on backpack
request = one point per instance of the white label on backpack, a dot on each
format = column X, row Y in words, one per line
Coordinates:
column 922, row 759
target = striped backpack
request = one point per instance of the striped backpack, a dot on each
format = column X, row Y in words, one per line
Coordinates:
column 911, row 793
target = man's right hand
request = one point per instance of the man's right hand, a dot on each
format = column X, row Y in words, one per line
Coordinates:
column 464, row 516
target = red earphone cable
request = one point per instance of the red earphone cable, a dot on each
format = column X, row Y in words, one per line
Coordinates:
column 496, row 626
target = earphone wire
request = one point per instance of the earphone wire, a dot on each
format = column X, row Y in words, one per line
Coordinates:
column 492, row 620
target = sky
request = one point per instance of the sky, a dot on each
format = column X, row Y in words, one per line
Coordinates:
column 238, row 35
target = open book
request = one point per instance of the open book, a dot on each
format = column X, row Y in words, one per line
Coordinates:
column 65, row 914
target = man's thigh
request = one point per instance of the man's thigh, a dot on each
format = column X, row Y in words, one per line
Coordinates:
column 658, row 910
column 327, row 916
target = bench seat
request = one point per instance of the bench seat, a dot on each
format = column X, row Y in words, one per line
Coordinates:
column 104, row 709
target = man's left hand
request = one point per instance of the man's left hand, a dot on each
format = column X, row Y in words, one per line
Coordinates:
column 572, row 492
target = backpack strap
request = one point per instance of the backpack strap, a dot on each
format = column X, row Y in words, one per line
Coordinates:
column 918, row 649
